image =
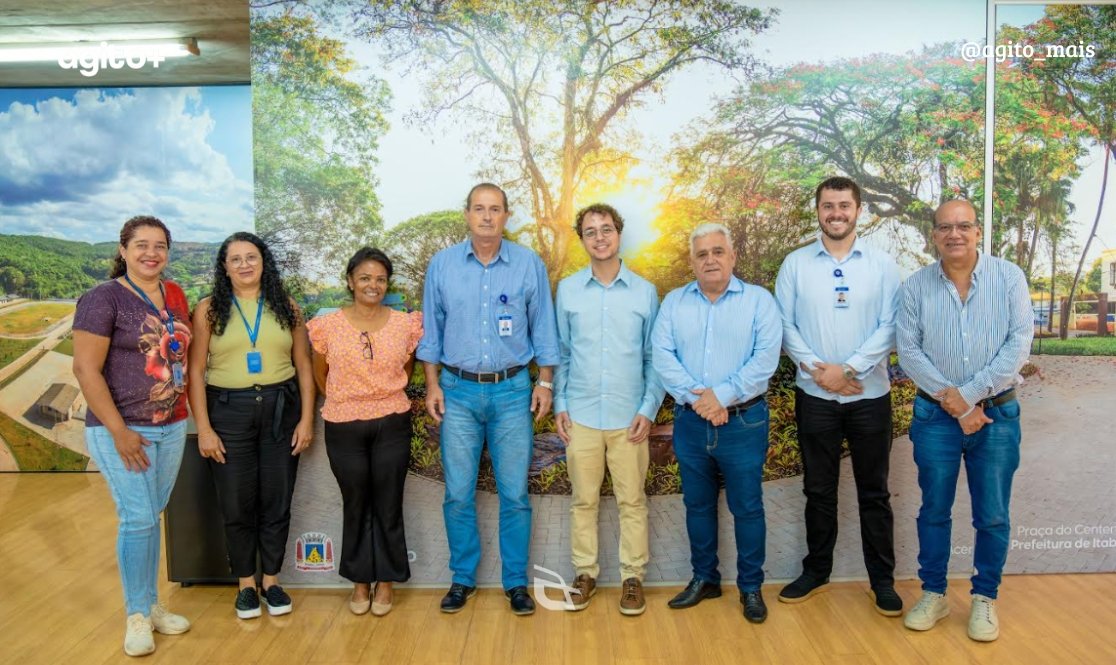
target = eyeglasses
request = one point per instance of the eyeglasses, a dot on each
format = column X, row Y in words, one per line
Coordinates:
column 250, row 260
column 367, row 342
column 945, row 229
column 605, row 231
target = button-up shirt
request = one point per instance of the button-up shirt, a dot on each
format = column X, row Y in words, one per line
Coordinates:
column 978, row 345
column 463, row 300
column 860, row 335
column 605, row 376
column 731, row 345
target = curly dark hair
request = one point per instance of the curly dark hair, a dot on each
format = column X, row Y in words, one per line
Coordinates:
column 275, row 295
column 599, row 209
column 127, row 232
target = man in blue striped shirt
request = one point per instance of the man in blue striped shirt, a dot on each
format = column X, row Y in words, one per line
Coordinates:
column 606, row 396
column 487, row 312
column 964, row 332
column 715, row 346
column 837, row 296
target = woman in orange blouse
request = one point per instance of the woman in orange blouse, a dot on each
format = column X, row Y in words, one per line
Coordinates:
column 363, row 356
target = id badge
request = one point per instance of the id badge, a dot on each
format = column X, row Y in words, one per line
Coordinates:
column 178, row 375
column 841, row 294
column 505, row 325
column 255, row 362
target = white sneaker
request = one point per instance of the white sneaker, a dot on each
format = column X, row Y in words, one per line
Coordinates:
column 167, row 622
column 138, row 641
column 931, row 608
column 984, row 625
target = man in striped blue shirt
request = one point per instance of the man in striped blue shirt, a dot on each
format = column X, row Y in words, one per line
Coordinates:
column 715, row 346
column 606, row 396
column 837, row 297
column 487, row 312
column 964, row 331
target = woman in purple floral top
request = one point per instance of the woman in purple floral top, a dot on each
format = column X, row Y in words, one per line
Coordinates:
column 131, row 336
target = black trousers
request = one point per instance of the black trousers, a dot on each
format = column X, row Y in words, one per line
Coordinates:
column 866, row 424
column 255, row 484
column 369, row 458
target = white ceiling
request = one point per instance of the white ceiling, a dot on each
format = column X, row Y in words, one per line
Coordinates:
column 220, row 26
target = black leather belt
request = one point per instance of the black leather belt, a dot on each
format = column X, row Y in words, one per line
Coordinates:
column 486, row 377
column 735, row 409
column 1002, row 398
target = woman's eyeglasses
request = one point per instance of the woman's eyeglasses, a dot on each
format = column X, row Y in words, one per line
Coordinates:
column 367, row 342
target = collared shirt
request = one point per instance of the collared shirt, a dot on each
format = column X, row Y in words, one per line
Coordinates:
column 816, row 330
column 980, row 345
column 731, row 345
column 463, row 300
column 604, row 333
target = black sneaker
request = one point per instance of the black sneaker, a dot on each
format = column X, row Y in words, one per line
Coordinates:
column 454, row 600
column 277, row 600
column 888, row 603
column 247, row 603
column 805, row 586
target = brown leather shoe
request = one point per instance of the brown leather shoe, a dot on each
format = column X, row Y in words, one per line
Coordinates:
column 631, row 598
column 584, row 588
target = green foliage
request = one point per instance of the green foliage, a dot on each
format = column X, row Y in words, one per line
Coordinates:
column 317, row 128
column 34, row 452
column 423, row 456
column 1076, row 346
column 10, row 349
column 411, row 245
column 65, row 346
column 556, row 473
column 1093, row 282
column 55, row 268
column 549, row 84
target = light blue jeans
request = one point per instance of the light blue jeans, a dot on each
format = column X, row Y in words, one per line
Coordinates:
column 140, row 498
column 499, row 413
column 991, row 457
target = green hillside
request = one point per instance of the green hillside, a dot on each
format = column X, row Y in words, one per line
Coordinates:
column 39, row 267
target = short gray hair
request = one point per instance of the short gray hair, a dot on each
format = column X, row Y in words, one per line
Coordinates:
column 706, row 228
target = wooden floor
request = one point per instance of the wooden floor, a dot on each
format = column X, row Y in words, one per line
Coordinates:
column 60, row 602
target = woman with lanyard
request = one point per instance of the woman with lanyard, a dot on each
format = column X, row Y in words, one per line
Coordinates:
column 130, row 346
column 363, row 356
column 252, row 396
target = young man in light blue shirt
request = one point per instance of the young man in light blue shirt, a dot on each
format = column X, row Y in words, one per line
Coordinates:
column 837, row 297
column 606, row 396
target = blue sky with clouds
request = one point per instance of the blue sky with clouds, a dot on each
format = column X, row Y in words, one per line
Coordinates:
column 78, row 162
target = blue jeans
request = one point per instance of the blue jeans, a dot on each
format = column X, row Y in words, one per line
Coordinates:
column 499, row 413
column 738, row 449
column 991, row 457
column 140, row 498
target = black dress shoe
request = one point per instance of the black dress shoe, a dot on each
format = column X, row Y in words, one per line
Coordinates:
column 755, row 610
column 695, row 592
column 454, row 600
column 521, row 602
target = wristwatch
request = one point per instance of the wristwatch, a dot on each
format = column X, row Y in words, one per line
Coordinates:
column 544, row 384
column 849, row 372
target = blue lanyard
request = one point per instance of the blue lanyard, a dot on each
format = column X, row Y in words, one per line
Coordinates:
column 174, row 345
column 253, row 333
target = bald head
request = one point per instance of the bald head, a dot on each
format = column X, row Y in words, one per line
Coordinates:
column 954, row 207
column 956, row 232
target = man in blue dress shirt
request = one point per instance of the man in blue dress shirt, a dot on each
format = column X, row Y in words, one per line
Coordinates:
column 606, row 396
column 715, row 346
column 964, row 331
column 487, row 312
column 838, row 296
